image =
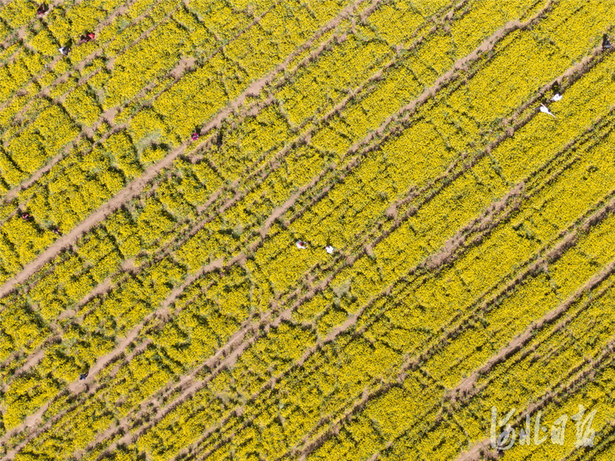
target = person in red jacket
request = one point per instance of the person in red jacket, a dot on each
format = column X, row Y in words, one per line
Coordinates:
column 87, row 37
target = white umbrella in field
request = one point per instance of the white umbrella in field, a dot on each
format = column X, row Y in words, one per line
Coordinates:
column 556, row 97
column 546, row 110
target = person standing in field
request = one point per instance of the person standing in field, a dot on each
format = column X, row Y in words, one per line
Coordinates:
column 301, row 245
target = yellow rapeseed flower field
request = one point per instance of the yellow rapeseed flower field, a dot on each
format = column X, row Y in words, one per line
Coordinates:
column 307, row 229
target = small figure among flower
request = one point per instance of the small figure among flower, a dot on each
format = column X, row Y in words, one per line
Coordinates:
column 42, row 9
column 606, row 43
column 25, row 216
column 544, row 109
column 301, row 245
column 195, row 136
column 55, row 230
column 87, row 37
column 329, row 249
